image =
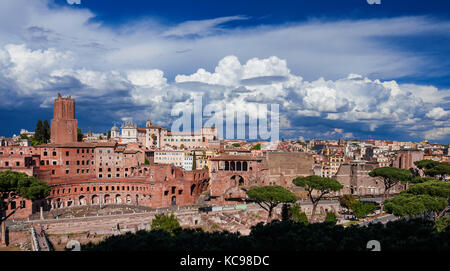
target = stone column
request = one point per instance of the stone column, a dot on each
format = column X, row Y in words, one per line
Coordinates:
column 3, row 230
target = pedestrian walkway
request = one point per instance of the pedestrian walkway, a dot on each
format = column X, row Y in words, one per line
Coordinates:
column 42, row 243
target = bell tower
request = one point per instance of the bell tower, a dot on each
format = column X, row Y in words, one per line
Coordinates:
column 63, row 125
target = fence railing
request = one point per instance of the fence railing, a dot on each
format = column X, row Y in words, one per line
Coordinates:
column 34, row 241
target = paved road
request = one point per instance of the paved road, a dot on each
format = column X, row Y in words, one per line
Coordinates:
column 384, row 219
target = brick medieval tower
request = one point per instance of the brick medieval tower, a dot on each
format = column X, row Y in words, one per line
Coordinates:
column 64, row 125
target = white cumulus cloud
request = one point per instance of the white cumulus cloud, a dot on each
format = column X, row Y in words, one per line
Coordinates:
column 438, row 113
column 71, row 2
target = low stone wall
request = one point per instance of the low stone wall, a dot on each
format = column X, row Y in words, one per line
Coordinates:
column 20, row 238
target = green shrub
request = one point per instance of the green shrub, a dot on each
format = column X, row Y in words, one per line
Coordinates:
column 297, row 215
column 362, row 209
column 168, row 223
column 331, row 218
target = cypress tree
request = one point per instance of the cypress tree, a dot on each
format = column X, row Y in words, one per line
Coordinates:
column 46, row 131
column 194, row 162
column 39, row 132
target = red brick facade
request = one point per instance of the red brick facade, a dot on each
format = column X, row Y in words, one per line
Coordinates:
column 63, row 125
column 97, row 173
column 232, row 175
column 405, row 159
column 79, row 175
column 159, row 186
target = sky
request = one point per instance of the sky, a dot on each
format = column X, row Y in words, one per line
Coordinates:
column 337, row 69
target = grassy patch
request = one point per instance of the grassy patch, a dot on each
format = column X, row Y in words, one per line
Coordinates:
column 68, row 234
column 10, row 248
column 351, row 223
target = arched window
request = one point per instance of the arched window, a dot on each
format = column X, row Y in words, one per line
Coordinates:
column 241, row 181
column 82, row 200
column 95, row 199
column 192, row 189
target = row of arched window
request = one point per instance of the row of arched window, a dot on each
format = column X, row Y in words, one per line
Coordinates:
column 98, row 188
column 236, row 166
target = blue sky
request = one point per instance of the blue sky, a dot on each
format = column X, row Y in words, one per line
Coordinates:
column 114, row 12
column 338, row 69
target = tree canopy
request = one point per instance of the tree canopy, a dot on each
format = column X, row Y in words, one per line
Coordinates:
column 347, row 201
column 321, row 185
column 23, row 185
column 421, row 180
column 400, row 235
column 79, row 135
column 426, row 164
column 194, row 161
column 433, row 168
column 41, row 133
column 412, row 205
column 294, row 213
column 391, row 176
column 268, row 197
column 430, row 196
column 439, row 170
column 257, row 147
column 331, row 218
column 362, row 209
column 13, row 184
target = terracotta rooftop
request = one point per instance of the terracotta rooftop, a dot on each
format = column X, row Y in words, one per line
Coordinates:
column 68, row 145
column 105, row 144
column 133, row 151
column 155, row 127
column 239, row 150
column 78, row 145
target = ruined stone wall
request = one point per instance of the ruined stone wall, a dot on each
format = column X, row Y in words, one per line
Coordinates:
column 226, row 186
column 405, row 159
column 278, row 168
column 356, row 180
column 286, row 166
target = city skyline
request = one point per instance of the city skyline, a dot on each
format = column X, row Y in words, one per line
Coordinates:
column 335, row 69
